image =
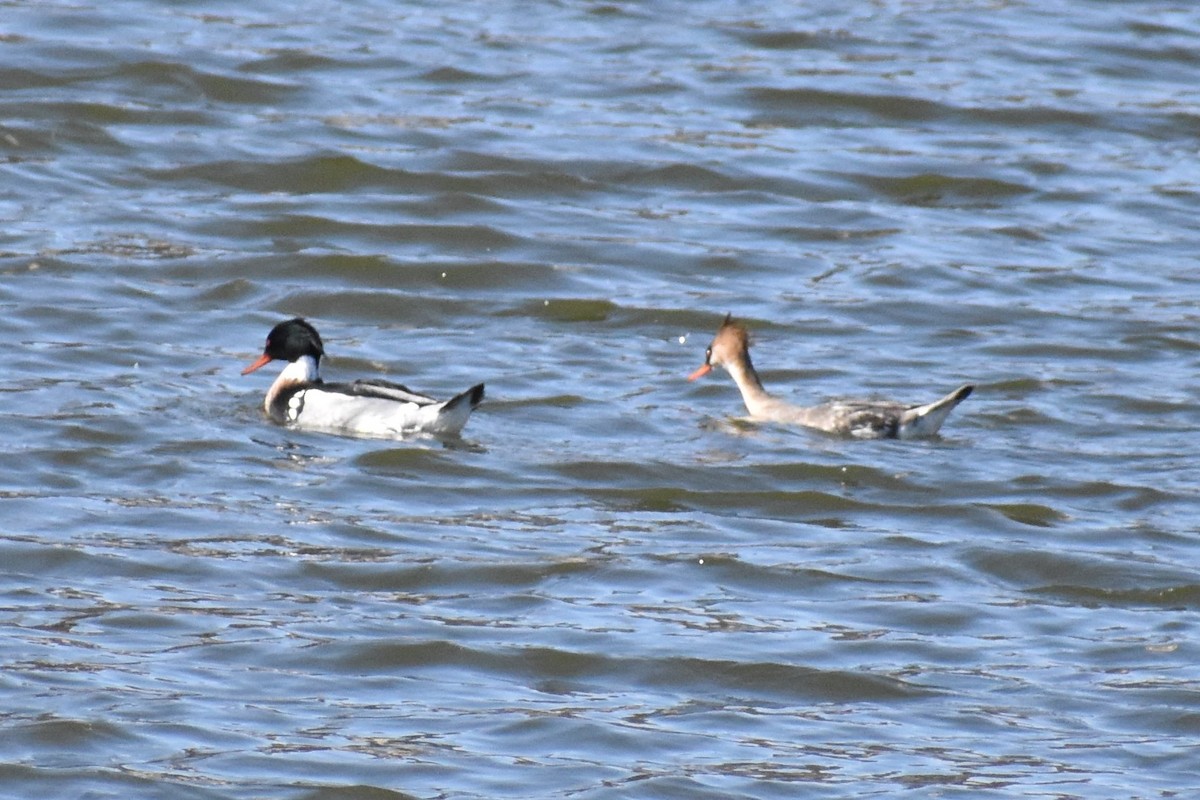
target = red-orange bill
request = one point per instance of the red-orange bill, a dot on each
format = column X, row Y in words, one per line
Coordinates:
column 700, row 373
column 263, row 360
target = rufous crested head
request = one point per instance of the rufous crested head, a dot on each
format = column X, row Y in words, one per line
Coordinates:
column 732, row 343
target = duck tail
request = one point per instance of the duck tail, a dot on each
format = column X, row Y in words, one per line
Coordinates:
column 927, row 419
column 453, row 414
column 472, row 397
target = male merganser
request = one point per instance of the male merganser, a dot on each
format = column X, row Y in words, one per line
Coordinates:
column 865, row 419
column 366, row 407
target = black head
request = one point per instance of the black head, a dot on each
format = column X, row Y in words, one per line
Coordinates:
column 290, row 341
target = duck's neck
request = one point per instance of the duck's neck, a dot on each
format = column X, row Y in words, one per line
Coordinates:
column 753, row 394
column 302, row 370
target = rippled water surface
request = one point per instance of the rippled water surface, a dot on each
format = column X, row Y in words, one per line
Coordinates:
column 610, row 586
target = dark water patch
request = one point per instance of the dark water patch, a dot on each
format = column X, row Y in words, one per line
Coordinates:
column 832, row 235
column 1154, row 27
column 453, row 75
column 1151, row 413
column 77, row 125
column 798, row 505
column 359, row 792
column 94, row 119
column 1026, row 117
column 17, row 78
column 494, row 175
column 680, row 176
column 57, row 736
column 933, row 189
column 806, row 107
column 728, row 570
column 718, row 677
column 1181, row 597
column 1149, row 59
column 571, row 310
column 1020, row 233
column 32, row 780
column 815, row 39
column 1107, row 574
column 21, row 144
column 690, row 321
column 488, row 274
column 290, row 62
column 654, row 499
column 171, row 81
column 849, row 476
column 810, row 107
column 563, row 401
column 418, row 462
column 272, row 546
column 1033, row 514
column 429, row 577
column 341, row 232
column 129, row 246
column 568, row 671
column 225, row 294
column 343, row 173
column 1020, row 386
column 450, row 204
column 31, row 557
column 414, row 131
column 1164, row 340
column 1066, row 349
column 1124, row 496
column 324, row 173
column 623, row 473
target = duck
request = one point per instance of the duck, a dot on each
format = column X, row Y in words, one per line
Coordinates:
column 863, row 419
column 378, row 408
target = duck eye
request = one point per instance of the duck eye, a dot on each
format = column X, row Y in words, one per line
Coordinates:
column 708, row 354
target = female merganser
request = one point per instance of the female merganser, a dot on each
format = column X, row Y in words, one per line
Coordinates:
column 866, row 419
column 366, row 407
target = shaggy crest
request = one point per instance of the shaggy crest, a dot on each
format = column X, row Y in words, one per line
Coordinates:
column 735, row 330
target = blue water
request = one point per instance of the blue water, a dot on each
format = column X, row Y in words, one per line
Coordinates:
column 611, row 585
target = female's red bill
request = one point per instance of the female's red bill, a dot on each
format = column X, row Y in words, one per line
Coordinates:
column 700, row 373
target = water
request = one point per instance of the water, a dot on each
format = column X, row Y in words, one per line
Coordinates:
column 609, row 586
